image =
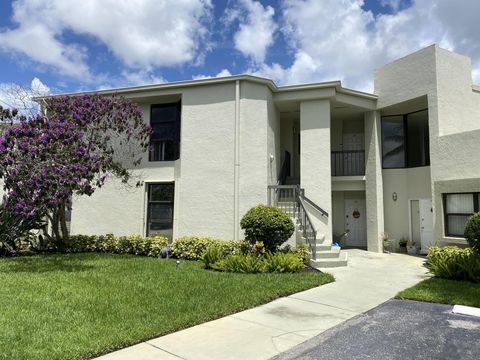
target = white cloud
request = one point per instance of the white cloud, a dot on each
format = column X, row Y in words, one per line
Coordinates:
column 222, row 73
column 256, row 28
column 392, row 4
column 132, row 78
column 339, row 40
column 20, row 97
column 143, row 33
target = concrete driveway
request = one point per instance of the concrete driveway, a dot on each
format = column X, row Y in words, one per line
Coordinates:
column 397, row 330
column 265, row 331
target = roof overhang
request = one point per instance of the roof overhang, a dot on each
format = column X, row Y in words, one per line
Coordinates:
column 332, row 89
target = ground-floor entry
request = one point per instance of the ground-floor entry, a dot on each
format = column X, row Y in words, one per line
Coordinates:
column 349, row 219
column 355, row 223
column 421, row 224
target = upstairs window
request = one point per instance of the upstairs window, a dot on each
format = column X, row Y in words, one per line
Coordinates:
column 165, row 138
column 405, row 140
column 457, row 209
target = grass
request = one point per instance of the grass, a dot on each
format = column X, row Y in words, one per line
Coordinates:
column 80, row 305
column 444, row 291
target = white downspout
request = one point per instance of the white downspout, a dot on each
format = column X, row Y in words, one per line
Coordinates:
column 236, row 186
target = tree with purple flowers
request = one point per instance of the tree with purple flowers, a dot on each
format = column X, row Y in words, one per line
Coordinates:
column 82, row 140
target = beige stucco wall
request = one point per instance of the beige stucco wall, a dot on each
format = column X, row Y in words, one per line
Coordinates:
column 454, row 121
column 374, row 182
column 409, row 184
column 204, row 175
column 315, row 170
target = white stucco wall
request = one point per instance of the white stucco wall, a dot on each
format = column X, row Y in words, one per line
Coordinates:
column 409, row 184
column 374, row 181
column 454, row 119
column 204, row 175
column 315, row 169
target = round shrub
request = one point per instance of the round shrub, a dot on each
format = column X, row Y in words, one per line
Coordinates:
column 472, row 232
column 267, row 224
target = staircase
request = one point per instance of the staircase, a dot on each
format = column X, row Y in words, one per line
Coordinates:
column 292, row 199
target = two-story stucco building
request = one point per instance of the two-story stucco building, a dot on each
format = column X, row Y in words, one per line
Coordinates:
column 403, row 160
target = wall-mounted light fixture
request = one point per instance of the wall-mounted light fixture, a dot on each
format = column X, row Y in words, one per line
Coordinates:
column 394, row 196
column 272, row 157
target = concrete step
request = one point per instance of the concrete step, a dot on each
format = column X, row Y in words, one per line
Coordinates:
column 328, row 254
column 323, row 247
column 342, row 260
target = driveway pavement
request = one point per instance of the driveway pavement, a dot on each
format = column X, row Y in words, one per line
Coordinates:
column 396, row 330
column 265, row 331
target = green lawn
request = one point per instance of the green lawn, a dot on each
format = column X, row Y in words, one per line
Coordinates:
column 76, row 306
column 444, row 291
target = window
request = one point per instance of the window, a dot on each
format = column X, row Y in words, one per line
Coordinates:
column 160, row 209
column 457, row 209
column 405, row 140
column 165, row 139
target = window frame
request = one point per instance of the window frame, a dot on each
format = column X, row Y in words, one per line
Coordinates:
column 405, row 132
column 475, row 196
column 166, row 202
column 177, row 122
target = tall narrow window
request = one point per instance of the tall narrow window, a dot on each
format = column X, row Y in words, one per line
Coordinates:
column 165, row 139
column 405, row 140
column 160, row 209
column 457, row 209
column 418, row 149
column 393, row 141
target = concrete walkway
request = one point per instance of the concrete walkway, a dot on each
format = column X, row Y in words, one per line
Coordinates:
column 265, row 331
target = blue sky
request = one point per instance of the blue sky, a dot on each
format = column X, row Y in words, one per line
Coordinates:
column 72, row 45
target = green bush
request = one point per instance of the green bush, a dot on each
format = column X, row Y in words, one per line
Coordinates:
column 134, row 244
column 247, row 264
column 282, row 262
column 451, row 262
column 213, row 254
column 301, row 251
column 193, row 247
column 267, row 224
column 16, row 232
column 472, row 232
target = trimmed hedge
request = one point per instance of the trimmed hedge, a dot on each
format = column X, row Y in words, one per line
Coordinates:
column 267, row 224
column 133, row 244
column 472, row 232
column 451, row 262
column 193, row 247
column 250, row 264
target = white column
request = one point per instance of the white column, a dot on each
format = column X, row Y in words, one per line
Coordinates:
column 374, row 181
column 315, row 172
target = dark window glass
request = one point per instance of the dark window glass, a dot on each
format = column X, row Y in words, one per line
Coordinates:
column 165, row 138
column 457, row 209
column 393, row 141
column 418, row 149
column 405, row 140
column 160, row 209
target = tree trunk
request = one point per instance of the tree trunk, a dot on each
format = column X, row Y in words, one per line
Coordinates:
column 63, row 222
column 55, row 230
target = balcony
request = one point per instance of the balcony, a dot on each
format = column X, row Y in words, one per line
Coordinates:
column 348, row 163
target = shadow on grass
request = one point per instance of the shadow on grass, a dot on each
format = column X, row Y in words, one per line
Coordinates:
column 44, row 264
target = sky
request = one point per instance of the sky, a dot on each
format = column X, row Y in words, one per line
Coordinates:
column 55, row 46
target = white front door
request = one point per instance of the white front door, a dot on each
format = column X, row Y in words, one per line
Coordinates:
column 426, row 225
column 355, row 222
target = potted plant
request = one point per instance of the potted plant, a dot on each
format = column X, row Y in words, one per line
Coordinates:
column 411, row 248
column 402, row 244
column 387, row 243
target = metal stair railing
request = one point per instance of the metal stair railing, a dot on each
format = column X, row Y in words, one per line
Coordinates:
column 292, row 200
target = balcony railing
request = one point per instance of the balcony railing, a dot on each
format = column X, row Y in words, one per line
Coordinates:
column 348, row 163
